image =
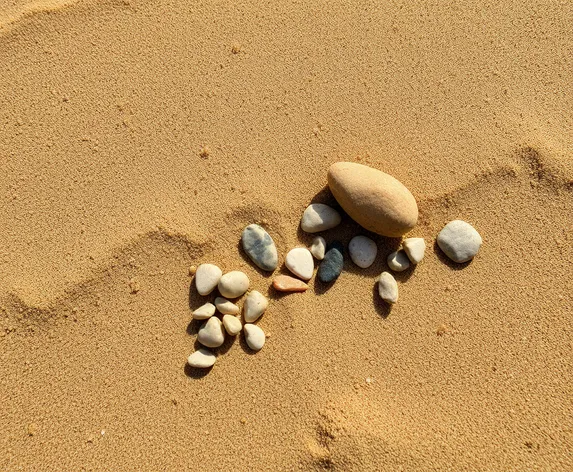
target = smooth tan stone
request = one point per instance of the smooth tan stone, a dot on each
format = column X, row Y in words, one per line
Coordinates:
column 286, row 283
column 375, row 200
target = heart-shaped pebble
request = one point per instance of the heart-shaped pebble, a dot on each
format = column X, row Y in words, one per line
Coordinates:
column 211, row 333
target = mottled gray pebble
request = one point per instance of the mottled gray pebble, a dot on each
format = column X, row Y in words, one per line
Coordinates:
column 260, row 247
column 362, row 251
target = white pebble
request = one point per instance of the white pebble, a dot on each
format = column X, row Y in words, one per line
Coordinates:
column 211, row 333
column 300, row 262
column 318, row 217
column 459, row 240
column 254, row 336
column 226, row 307
column 207, row 277
column 398, row 261
column 232, row 325
column 387, row 287
column 318, row 247
column 204, row 312
column 414, row 248
column 255, row 305
column 233, row 284
column 202, row 359
column 362, row 251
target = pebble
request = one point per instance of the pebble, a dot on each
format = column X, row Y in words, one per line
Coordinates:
column 459, row 240
column 318, row 248
column 255, row 305
column 211, row 333
column 232, row 325
column 414, row 248
column 398, row 261
column 319, row 217
column 331, row 266
column 254, row 336
column 204, row 312
column 286, row 283
column 362, row 251
column 207, row 277
column 260, row 247
column 233, row 284
column 387, row 287
column 226, row 307
column 375, row 200
column 202, row 359
column 300, row 262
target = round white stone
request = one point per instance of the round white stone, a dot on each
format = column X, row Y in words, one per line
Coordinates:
column 398, row 261
column 206, row 278
column 233, row 284
column 300, row 262
column 414, row 248
column 387, row 287
column 211, row 333
column 202, row 359
column 318, row 217
column 254, row 336
column 226, row 307
column 204, row 312
column 255, row 305
column 362, row 251
column 232, row 325
column 318, row 247
column 459, row 240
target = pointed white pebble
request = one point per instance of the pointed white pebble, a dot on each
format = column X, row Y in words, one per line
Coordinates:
column 202, row 359
column 233, row 284
column 387, row 287
column 415, row 248
column 255, row 305
column 232, row 325
column 319, row 217
column 254, row 336
column 318, row 247
column 206, row 278
column 211, row 333
column 398, row 261
column 204, row 312
column 362, row 251
column 300, row 262
column 226, row 307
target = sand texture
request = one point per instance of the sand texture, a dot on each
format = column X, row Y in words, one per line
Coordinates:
column 138, row 138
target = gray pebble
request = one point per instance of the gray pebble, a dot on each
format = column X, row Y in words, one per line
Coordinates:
column 260, row 247
column 459, row 240
column 398, row 261
column 331, row 266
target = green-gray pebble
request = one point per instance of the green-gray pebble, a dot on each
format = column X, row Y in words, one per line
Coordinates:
column 331, row 266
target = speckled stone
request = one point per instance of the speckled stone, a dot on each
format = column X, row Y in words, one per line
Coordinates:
column 260, row 247
column 362, row 251
column 331, row 266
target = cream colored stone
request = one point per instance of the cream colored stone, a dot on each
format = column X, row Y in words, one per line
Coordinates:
column 207, row 277
column 318, row 248
column 202, row 359
column 414, row 248
column 319, row 217
column 226, row 307
column 204, row 311
column 387, row 287
column 255, row 305
column 300, row 262
column 254, row 336
column 232, row 325
column 233, row 284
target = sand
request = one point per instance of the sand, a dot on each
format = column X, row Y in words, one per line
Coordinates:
column 138, row 138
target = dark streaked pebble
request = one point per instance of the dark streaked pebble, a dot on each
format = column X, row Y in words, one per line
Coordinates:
column 331, row 266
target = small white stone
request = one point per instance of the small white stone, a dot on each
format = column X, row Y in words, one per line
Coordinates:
column 362, row 251
column 318, row 247
column 211, row 333
column 459, row 240
column 232, row 325
column 414, row 248
column 204, row 312
column 202, row 359
column 233, row 284
column 318, row 217
column 387, row 287
column 226, row 307
column 206, row 278
column 254, row 336
column 255, row 305
column 300, row 262
column 398, row 261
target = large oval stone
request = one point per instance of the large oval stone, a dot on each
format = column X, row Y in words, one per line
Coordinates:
column 375, row 200
column 260, row 247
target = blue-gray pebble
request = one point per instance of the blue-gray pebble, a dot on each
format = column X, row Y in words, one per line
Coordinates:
column 260, row 247
column 331, row 266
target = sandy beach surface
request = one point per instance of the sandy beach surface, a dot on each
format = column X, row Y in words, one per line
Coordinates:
column 138, row 138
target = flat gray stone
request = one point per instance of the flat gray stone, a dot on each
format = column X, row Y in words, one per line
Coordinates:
column 459, row 240
column 331, row 266
column 260, row 247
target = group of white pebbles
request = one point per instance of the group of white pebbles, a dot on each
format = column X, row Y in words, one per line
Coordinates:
column 375, row 200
